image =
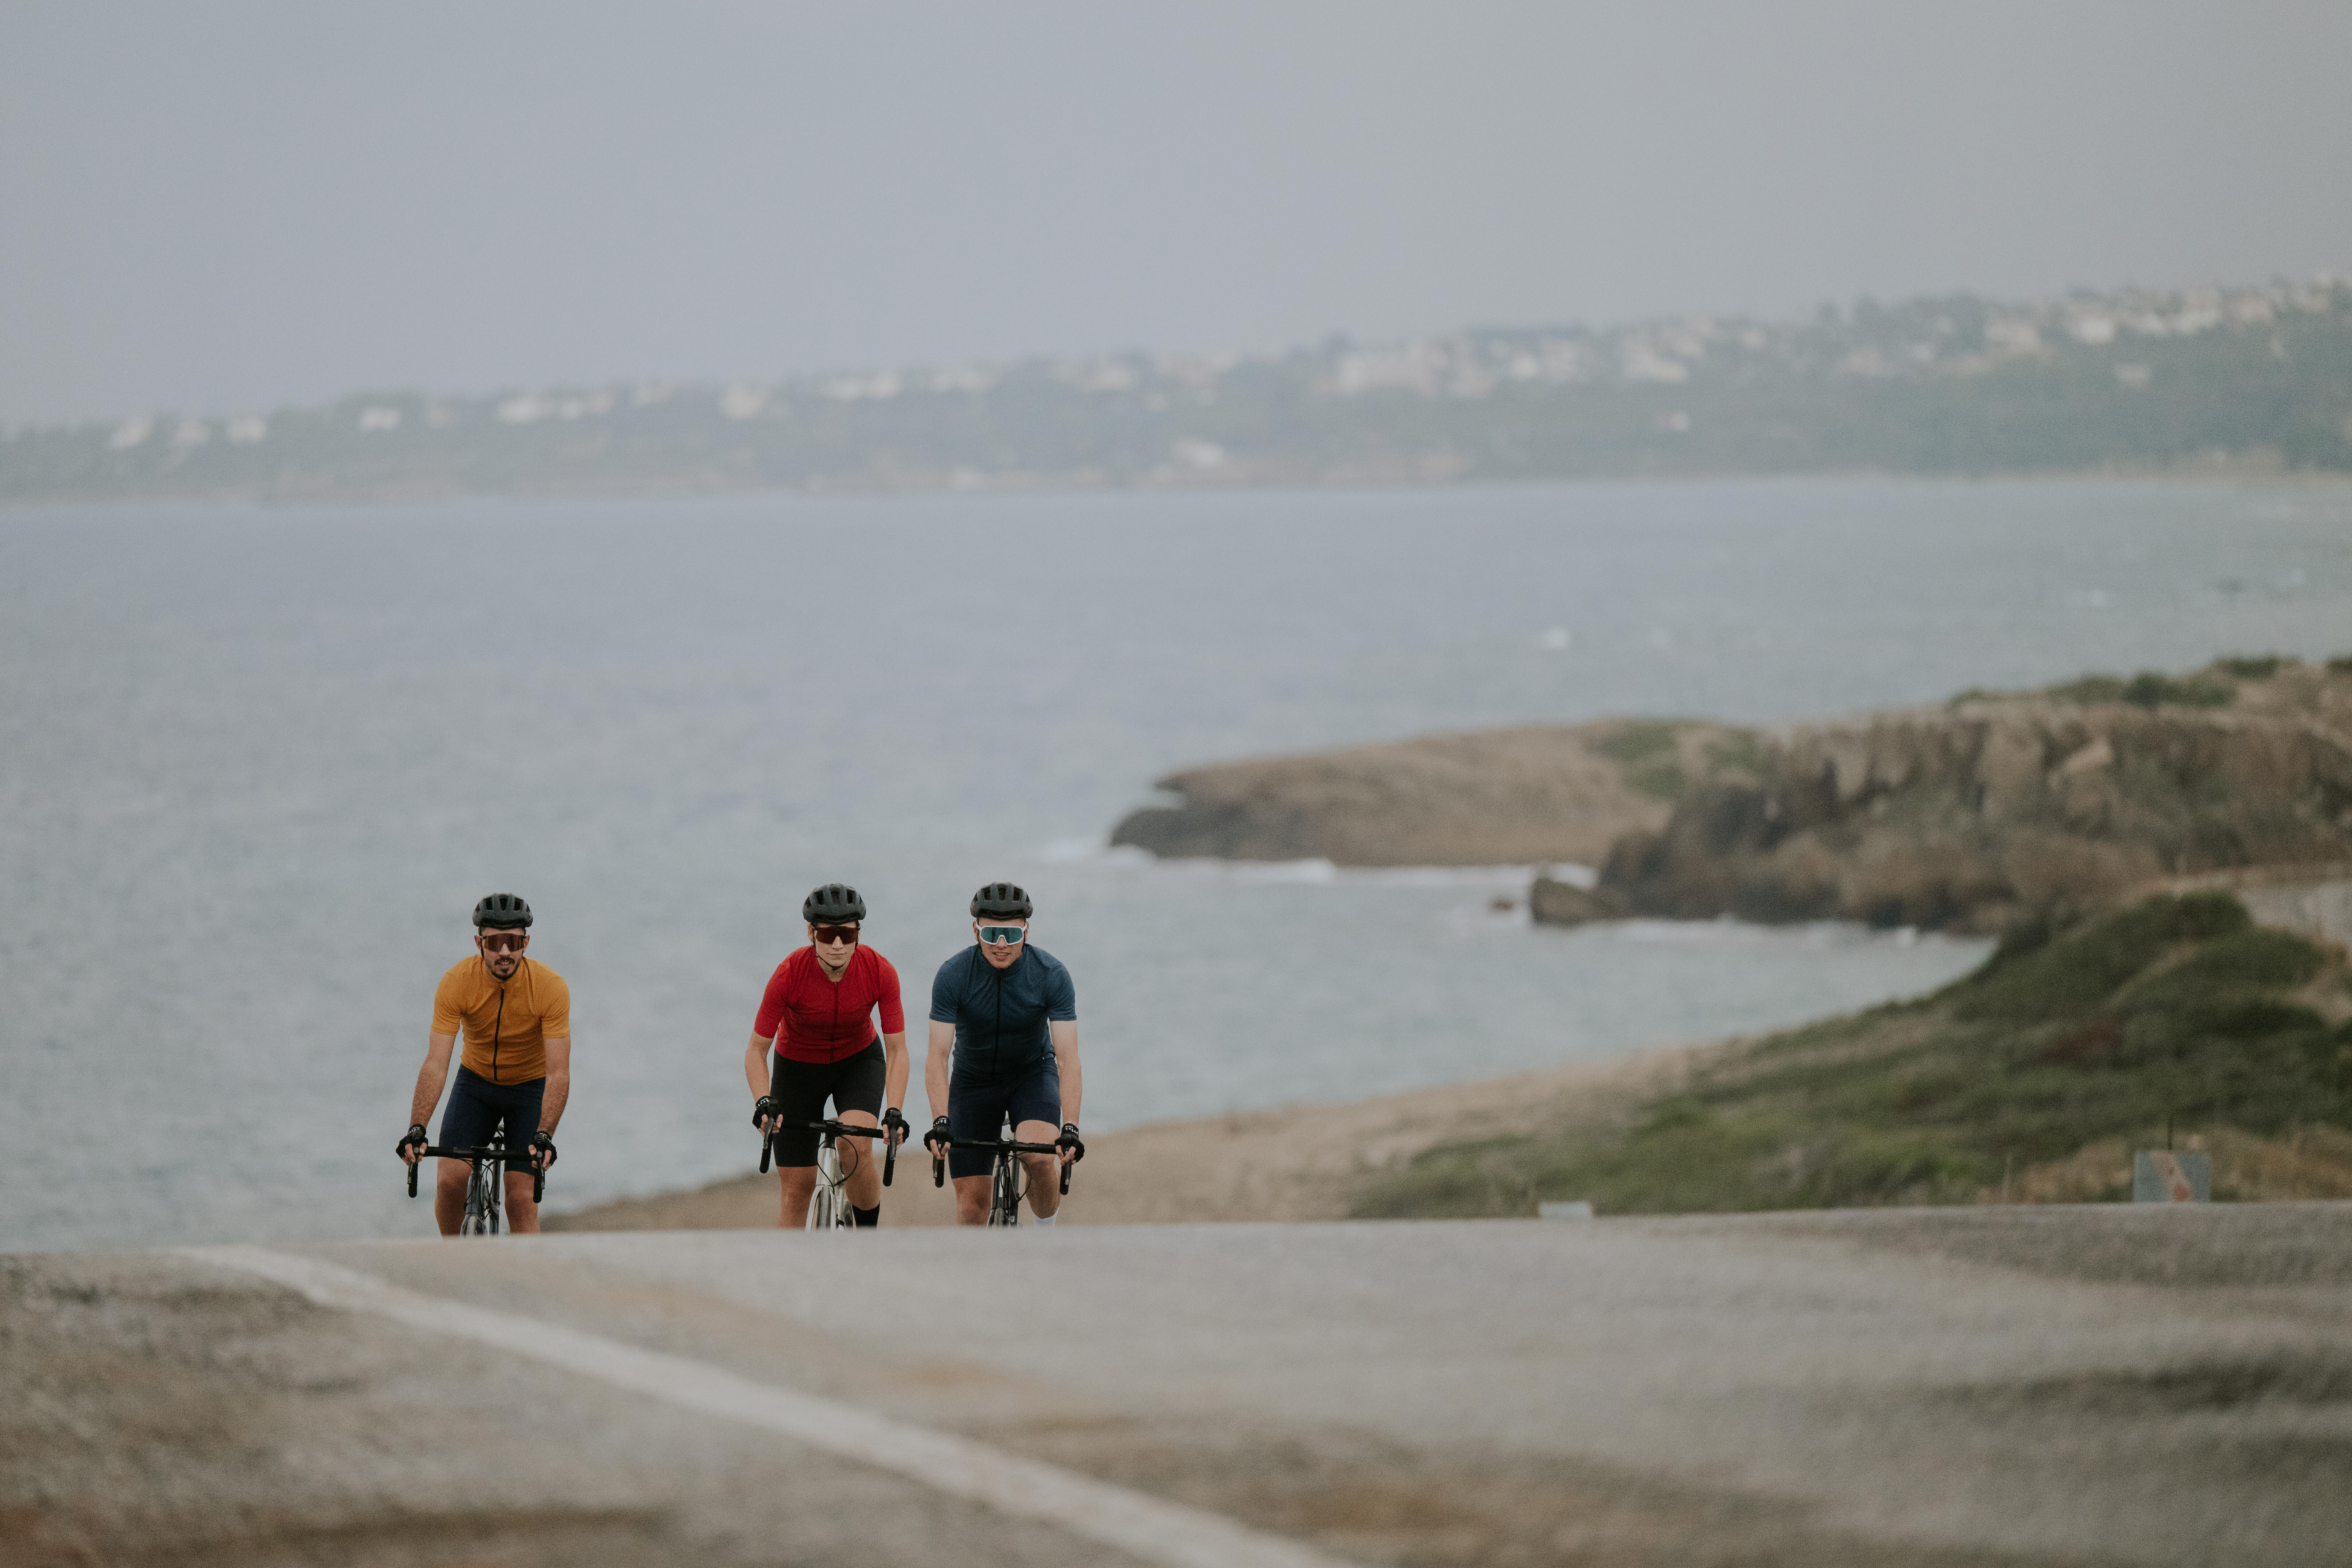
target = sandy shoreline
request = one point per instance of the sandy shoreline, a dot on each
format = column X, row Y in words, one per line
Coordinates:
column 1298, row 1163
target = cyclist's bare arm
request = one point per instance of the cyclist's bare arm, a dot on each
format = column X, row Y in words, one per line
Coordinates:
column 430, row 1077
column 755, row 1067
column 1064, row 1035
column 893, row 1070
column 939, row 1049
column 559, row 1082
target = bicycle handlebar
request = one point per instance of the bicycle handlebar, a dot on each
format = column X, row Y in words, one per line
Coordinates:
column 998, row 1146
column 494, row 1152
column 838, row 1129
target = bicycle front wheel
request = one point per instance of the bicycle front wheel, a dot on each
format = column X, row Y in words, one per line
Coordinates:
column 1006, row 1209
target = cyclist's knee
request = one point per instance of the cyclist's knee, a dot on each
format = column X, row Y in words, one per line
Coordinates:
column 451, row 1177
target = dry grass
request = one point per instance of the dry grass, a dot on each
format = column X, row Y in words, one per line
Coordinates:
column 2308, row 1163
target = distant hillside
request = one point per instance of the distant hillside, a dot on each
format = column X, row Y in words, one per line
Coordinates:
column 2138, row 381
column 2031, row 1080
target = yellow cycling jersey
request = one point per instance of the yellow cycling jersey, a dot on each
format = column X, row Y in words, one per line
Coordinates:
column 505, row 1026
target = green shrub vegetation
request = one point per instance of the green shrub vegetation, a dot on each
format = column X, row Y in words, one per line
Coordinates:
column 1644, row 751
column 1742, row 750
column 2149, row 688
column 2253, row 668
column 1639, row 741
column 2176, row 1011
column 1660, row 781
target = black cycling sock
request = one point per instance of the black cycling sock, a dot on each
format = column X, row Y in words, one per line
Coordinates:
column 867, row 1218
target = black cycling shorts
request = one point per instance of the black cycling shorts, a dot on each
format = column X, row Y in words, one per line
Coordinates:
column 801, row 1088
column 978, row 1110
column 477, row 1109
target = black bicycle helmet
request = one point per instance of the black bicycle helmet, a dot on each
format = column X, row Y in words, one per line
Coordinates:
column 502, row 911
column 1002, row 899
column 832, row 904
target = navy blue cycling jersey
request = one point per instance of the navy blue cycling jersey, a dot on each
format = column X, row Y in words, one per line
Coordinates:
column 1000, row 1014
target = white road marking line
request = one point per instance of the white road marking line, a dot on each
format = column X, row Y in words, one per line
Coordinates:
column 1145, row 1527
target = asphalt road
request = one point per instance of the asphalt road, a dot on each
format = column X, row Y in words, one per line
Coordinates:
column 2104, row 1385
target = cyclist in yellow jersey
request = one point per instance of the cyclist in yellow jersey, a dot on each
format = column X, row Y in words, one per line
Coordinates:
column 516, row 1074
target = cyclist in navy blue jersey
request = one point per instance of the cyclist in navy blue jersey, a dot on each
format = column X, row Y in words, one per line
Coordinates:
column 1003, row 1040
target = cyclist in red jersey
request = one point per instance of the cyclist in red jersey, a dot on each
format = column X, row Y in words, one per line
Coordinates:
column 818, row 1013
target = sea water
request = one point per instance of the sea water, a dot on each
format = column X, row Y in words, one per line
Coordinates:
column 260, row 763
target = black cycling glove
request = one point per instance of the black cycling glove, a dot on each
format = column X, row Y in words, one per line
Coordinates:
column 1071, row 1140
column 544, row 1141
column 894, row 1124
column 415, row 1134
column 936, row 1140
column 764, row 1110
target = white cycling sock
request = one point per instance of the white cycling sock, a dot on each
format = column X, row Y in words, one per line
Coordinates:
column 1046, row 1219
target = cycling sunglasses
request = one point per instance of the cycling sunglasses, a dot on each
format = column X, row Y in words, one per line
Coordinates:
column 504, row 941
column 837, row 933
column 1003, row 935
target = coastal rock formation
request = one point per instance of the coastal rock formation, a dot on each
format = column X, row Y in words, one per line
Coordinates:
column 1965, row 814
column 1497, row 797
column 1553, row 902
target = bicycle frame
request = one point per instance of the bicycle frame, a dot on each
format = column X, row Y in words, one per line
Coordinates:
column 828, row 1204
column 483, row 1214
column 1010, row 1185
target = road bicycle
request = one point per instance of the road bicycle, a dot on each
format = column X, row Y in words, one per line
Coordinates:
column 829, row 1207
column 485, row 1186
column 1010, row 1183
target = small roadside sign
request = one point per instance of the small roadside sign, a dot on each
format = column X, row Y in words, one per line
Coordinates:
column 2161, row 1176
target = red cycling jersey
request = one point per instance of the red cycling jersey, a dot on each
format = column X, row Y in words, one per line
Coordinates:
column 812, row 1019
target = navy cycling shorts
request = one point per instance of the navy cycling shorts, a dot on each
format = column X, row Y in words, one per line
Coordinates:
column 478, row 1108
column 978, row 1110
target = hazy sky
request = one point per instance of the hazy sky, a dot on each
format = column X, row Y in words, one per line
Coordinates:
column 227, row 205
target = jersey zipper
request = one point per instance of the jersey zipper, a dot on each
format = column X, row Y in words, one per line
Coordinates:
column 496, row 1025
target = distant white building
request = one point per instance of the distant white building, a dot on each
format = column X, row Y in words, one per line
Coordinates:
column 879, row 388
column 1637, row 360
column 743, row 400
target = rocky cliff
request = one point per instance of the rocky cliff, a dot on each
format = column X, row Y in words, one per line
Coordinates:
column 1965, row 814
column 1498, row 797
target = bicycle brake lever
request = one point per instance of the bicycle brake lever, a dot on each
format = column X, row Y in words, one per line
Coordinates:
column 767, row 1144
